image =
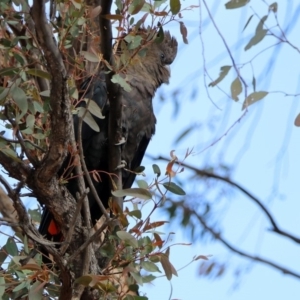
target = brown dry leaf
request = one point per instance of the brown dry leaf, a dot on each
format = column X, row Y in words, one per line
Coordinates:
column 297, row 121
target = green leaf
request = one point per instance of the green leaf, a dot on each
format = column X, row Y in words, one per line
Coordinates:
column 3, row 256
column 133, row 41
column 90, row 56
column 148, row 278
column 156, row 170
column 256, row 39
column 22, row 285
column 254, row 83
column 236, row 4
column 133, row 192
column 84, row 280
column 135, row 213
column 254, row 97
column 185, row 133
column 88, row 118
column 224, row 71
column 39, row 136
column 9, row 71
column 158, row 3
column 155, row 258
column 137, row 277
column 2, row 286
column 260, row 33
column 139, row 169
column 261, row 23
column 77, row 4
column 150, row 266
column 39, row 73
column 30, row 119
column 247, row 23
column 10, row 153
column 174, row 188
column 19, row 58
column 94, row 108
column 136, row 6
column 236, row 89
column 175, row 6
column 130, row 297
column 117, row 78
column 119, row 4
column 142, row 184
column 45, row 93
column 36, row 291
column 4, row 93
column 127, row 238
column 273, row 7
column 20, row 98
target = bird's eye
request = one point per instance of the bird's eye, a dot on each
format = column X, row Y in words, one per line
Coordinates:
column 162, row 56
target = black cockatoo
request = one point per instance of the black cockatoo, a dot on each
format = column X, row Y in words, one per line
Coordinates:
column 144, row 75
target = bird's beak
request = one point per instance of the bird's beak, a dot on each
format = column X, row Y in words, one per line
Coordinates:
column 168, row 68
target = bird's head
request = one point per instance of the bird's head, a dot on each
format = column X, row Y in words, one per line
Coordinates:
column 152, row 67
column 167, row 48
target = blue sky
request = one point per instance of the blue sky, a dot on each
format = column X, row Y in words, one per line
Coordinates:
column 262, row 149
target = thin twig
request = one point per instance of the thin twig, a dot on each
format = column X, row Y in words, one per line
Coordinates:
column 227, row 47
column 246, row 192
column 32, row 159
column 25, row 140
column 61, row 118
column 69, row 234
column 219, row 237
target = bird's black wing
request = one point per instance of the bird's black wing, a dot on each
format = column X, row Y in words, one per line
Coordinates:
column 129, row 177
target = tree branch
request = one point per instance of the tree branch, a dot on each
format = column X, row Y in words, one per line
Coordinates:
column 16, row 168
column 219, row 237
column 14, row 124
column 203, row 173
column 114, row 96
column 68, row 237
column 61, row 119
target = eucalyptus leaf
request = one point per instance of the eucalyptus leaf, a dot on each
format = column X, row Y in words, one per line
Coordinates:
column 128, row 238
column 236, row 89
column 133, row 192
column 174, row 188
column 88, row 118
column 94, row 108
column 117, row 78
column 224, row 71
